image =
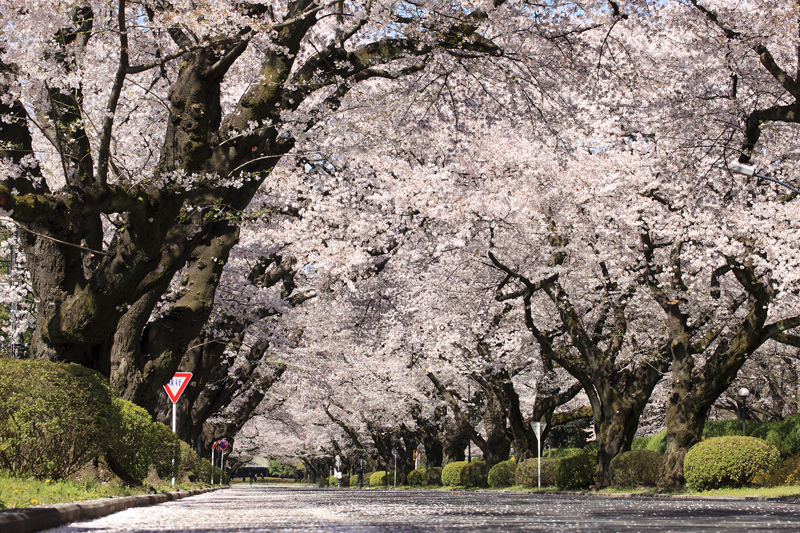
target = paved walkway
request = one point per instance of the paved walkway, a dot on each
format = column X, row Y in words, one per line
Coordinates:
column 259, row 508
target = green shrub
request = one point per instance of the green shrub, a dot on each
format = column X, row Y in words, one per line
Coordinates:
column 732, row 428
column 635, row 468
column 576, row 472
column 654, row 443
column 322, row 482
column 333, row 481
column 416, row 478
column 54, row 417
column 141, row 442
column 381, row 477
column 433, row 476
column 788, row 473
column 475, row 473
column 346, row 480
column 454, row 475
column 502, row 474
column 783, row 434
column 527, row 473
column 564, row 452
column 354, row 480
column 728, row 462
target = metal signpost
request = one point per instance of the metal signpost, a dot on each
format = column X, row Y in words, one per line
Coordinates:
column 538, row 428
column 338, row 471
column 174, row 389
column 394, row 452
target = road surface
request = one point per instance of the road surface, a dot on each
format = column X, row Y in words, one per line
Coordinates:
column 284, row 509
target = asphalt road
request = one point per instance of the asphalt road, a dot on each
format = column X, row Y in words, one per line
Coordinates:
column 260, row 508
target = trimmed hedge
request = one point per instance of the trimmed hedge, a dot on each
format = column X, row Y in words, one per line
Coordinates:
column 654, row 443
column 433, row 476
column 576, row 472
column 635, row 468
column 54, row 417
column 453, row 474
column 784, row 434
column 475, row 473
column 145, row 443
column 786, row 474
column 729, row 428
column 381, row 477
column 416, row 478
column 728, row 462
column 502, row 474
column 354, row 480
column 527, row 473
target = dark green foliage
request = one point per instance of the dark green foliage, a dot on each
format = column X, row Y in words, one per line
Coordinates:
column 722, row 428
column 784, row 435
column 278, row 468
column 433, row 476
column 454, row 475
column 143, row 443
column 322, row 482
column 475, row 473
column 527, row 473
column 563, row 452
column 654, row 443
column 416, row 478
column 570, row 435
column 53, row 417
column 728, row 462
column 502, row 474
column 576, row 472
column 635, row 468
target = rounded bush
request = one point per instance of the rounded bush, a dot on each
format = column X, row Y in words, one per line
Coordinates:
column 141, row 442
column 54, row 417
column 635, row 468
column 454, row 475
column 475, row 474
column 433, row 476
column 502, row 474
column 527, row 473
column 576, row 472
column 333, row 481
column 728, row 462
column 416, row 478
column 381, row 477
column 788, row 473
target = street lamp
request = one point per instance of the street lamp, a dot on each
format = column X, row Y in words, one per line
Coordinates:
column 748, row 170
column 744, row 392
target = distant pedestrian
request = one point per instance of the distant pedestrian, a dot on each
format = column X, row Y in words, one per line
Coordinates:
column 360, row 474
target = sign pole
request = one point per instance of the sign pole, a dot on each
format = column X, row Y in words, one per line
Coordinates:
column 174, row 430
column 212, row 462
column 174, row 389
column 538, row 428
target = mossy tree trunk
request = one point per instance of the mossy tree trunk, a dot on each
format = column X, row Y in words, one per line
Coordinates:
column 617, row 392
column 95, row 298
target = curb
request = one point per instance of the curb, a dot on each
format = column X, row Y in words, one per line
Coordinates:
column 39, row 518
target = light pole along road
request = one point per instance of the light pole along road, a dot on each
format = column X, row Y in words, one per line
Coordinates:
column 263, row 508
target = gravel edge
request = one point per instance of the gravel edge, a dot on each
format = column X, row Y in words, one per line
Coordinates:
column 40, row 518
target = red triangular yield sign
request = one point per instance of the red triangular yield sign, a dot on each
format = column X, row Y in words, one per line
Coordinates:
column 177, row 384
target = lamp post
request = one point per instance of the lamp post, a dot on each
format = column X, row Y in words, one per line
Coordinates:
column 744, row 392
column 469, row 421
column 748, row 170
